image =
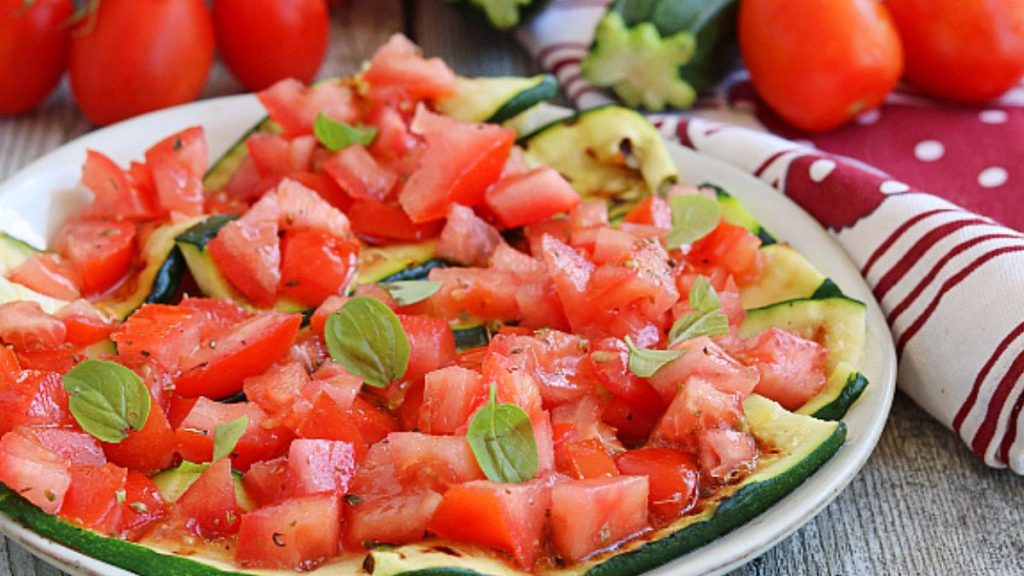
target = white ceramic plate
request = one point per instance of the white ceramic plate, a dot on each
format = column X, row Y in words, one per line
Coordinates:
column 35, row 201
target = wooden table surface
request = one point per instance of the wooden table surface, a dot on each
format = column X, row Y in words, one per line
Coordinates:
column 922, row 504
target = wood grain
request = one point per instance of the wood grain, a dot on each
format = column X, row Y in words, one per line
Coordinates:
column 923, row 504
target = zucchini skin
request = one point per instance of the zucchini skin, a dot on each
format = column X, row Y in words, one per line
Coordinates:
column 546, row 90
column 168, row 279
column 416, row 271
column 836, row 409
column 201, row 234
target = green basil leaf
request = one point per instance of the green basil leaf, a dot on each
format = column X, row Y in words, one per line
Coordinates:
column 226, row 436
column 406, row 292
column 703, row 297
column 335, row 135
column 502, row 440
column 644, row 363
column 366, row 337
column 106, row 399
column 694, row 216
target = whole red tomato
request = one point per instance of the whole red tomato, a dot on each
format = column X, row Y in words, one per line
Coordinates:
column 33, row 51
column 140, row 55
column 968, row 51
column 263, row 41
column 818, row 63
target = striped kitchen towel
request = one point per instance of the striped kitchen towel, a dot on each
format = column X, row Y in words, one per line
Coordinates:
column 946, row 265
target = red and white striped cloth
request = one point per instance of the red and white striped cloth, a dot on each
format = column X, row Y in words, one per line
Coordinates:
column 946, row 265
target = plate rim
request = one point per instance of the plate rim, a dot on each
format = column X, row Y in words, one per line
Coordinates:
column 712, row 558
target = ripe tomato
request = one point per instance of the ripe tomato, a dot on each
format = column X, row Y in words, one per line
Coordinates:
column 263, row 41
column 964, row 51
column 33, row 50
column 140, row 55
column 816, row 63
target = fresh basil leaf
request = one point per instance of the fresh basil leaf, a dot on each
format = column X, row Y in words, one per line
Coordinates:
column 335, row 135
column 644, row 363
column 703, row 297
column 226, row 436
column 366, row 337
column 106, row 399
column 406, row 292
column 694, row 216
column 502, row 440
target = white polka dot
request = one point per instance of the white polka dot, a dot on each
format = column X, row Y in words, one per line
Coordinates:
column 893, row 187
column 992, row 177
column 993, row 116
column 869, row 117
column 929, row 150
column 821, row 168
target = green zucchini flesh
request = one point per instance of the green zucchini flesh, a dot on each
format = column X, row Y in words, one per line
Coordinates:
column 496, row 99
column 787, row 275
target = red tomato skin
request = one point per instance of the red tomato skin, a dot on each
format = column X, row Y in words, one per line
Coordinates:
column 209, row 507
column 672, row 475
column 466, row 238
column 316, row 265
column 265, row 481
column 162, row 334
column 91, row 500
column 328, row 421
column 76, row 448
column 509, row 517
column 398, row 65
column 33, row 49
column 269, row 40
column 961, row 51
column 177, row 164
column 101, row 251
column 435, row 462
column 48, row 274
column 449, row 396
column 37, row 474
column 296, row 106
column 84, row 326
column 143, row 506
column 195, row 435
column 589, row 515
column 34, row 398
column 297, row 534
column 252, row 348
column 396, row 519
column 148, row 450
column 431, row 344
column 530, row 197
column 248, row 251
column 819, row 64
column 25, row 325
column 172, row 52
column 697, row 406
column 585, row 459
column 376, row 222
column 792, row 369
column 359, row 175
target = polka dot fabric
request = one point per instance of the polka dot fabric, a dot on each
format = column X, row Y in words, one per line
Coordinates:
column 927, row 199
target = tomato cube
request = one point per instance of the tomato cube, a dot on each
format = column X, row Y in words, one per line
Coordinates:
column 35, row 473
column 209, row 507
column 592, row 515
column 297, row 534
column 258, row 442
column 531, row 197
column 672, row 475
column 320, row 466
column 433, row 461
column 92, row 498
column 449, row 396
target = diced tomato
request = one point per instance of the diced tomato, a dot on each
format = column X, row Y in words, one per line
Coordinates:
column 431, row 344
column 726, row 454
column 374, row 422
column 552, row 358
column 514, row 386
column 571, row 272
column 315, row 265
column 248, row 251
column 514, row 513
column 396, row 519
column 76, row 448
column 9, row 367
column 245, row 186
column 328, row 421
column 477, row 293
column 295, row 107
column 449, row 396
column 399, row 65
column 466, row 238
column 539, row 306
column 297, row 534
column 275, row 155
column 338, row 383
column 143, row 506
column 209, row 507
column 591, row 515
column 265, row 481
column 35, row 473
column 178, row 164
column 48, row 274
column 359, row 175
column 24, row 325
column 433, row 461
column 609, row 362
column 218, row 315
column 697, row 406
column 92, row 497
column 633, row 423
column 672, row 476
column 159, row 333
column 580, row 420
column 651, row 211
column 325, row 187
column 148, row 450
column 531, row 197
column 85, row 324
column 101, row 251
column 34, row 398
column 705, row 359
column 302, row 208
column 731, row 248
column 461, row 161
column 319, row 466
column 393, row 141
column 375, row 221
column 196, row 433
column 281, row 393
column 249, row 350
column 792, row 369
column 116, row 194
column 585, row 459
